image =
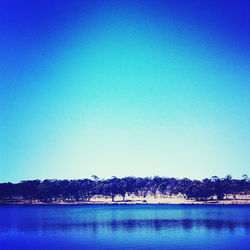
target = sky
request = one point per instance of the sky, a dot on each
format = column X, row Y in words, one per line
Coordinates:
column 124, row 88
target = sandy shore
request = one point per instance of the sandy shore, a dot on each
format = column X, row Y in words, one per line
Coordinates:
column 133, row 199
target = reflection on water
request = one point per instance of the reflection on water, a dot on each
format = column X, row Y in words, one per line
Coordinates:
column 129, row 225
column 114, row 227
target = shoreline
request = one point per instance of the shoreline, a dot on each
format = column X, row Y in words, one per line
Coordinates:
column 132, row 200
column 119, row 203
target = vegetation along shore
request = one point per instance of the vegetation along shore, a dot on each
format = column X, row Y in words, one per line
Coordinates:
column 128, row 190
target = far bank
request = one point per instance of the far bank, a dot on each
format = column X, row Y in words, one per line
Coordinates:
column 239, row 199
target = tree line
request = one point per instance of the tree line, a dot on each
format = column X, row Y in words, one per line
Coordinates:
column 51, row 190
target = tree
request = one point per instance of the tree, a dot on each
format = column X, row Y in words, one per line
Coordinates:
column 48, row 191
column 245, row 177
column 95, row 178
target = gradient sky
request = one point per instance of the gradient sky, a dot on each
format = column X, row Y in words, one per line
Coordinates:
column 124, row 88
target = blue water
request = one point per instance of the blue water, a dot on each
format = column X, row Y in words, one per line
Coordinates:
column 125, row 227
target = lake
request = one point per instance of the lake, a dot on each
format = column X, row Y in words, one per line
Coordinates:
column 125, row 227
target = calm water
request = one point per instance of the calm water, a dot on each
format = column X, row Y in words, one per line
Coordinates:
column 125, row 227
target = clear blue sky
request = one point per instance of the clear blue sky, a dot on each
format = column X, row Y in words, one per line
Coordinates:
column 124, row 88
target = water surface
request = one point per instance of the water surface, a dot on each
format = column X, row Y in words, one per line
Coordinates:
column 125, row 227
